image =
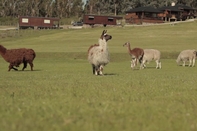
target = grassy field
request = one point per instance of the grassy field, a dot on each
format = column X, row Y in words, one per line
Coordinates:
column 61, row 94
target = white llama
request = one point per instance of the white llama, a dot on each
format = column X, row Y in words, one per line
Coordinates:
column 98, row 54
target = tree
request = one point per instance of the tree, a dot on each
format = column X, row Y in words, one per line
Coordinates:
column 68, row 8
column 77, row 8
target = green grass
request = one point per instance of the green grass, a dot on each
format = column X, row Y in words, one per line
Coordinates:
column 62, row 94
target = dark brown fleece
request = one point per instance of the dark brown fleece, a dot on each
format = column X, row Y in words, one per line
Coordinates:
column 17, row 56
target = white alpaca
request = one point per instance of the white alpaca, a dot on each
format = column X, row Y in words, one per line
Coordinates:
column 98, row 54
column 152, row 54
column 187, row 55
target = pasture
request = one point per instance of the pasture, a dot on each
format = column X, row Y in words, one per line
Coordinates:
column 63, row 94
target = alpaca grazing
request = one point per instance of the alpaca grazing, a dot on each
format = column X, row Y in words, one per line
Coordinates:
column 136, row 55
column 98, row 54
column 187, row 55
column 152, row 54
column 17, row 56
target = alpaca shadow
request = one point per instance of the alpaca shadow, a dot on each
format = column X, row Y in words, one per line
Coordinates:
column 27, row 70
column 150, row 67
column 135, row 69
column 184, row 66
column 110, row 74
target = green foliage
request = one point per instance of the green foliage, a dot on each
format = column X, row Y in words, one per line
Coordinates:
column 62, row 94
column 76, row 8
column 41, row 8
column 8, row 21
column 120, row 6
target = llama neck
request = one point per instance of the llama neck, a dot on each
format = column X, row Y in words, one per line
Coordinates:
column 103, row 43
column 2, row 50
column 129, row 48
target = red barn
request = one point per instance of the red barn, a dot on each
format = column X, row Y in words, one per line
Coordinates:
column 38, row 22
column 100, row 19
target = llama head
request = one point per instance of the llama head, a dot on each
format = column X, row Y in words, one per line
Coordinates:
column 127, row 44
column 195, row 52
column 105, row 36
column 2, row 49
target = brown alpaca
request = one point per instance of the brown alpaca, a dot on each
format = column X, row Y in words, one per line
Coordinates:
column 136, row 55
column 17, row 56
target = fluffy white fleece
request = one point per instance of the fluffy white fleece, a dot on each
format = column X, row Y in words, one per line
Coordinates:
column 152, row 54
column 187, row 55
column 99, row 55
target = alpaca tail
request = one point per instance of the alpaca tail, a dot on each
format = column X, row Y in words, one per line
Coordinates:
column 34, row 54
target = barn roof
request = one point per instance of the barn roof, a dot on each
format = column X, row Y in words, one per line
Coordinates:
column 94, row 15
column 144, row 9
column 51, row 18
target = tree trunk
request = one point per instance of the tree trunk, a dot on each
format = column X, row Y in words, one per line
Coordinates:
column 115, row 5
column 91, row 7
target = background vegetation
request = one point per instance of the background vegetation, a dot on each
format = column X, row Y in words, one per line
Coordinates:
column 73, row 10
column 76, row 8
column 62, row 93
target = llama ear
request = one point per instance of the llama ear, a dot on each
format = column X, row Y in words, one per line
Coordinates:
column 103, row 32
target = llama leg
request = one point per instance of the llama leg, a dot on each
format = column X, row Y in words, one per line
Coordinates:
column 93, row 69
column 131, row 65
column 136, row 61
column 133, row 62
column 24, row 65
column 15, row 69
column 96, row 70
column 193, row 63
column 101, row 70
column 183, row 63
column 140, row 61
column 31, row 65
column 96, row 73
column 190, row 62
column 12, row 67
column 157, row 64
column 160, row 64
column 143, row 64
